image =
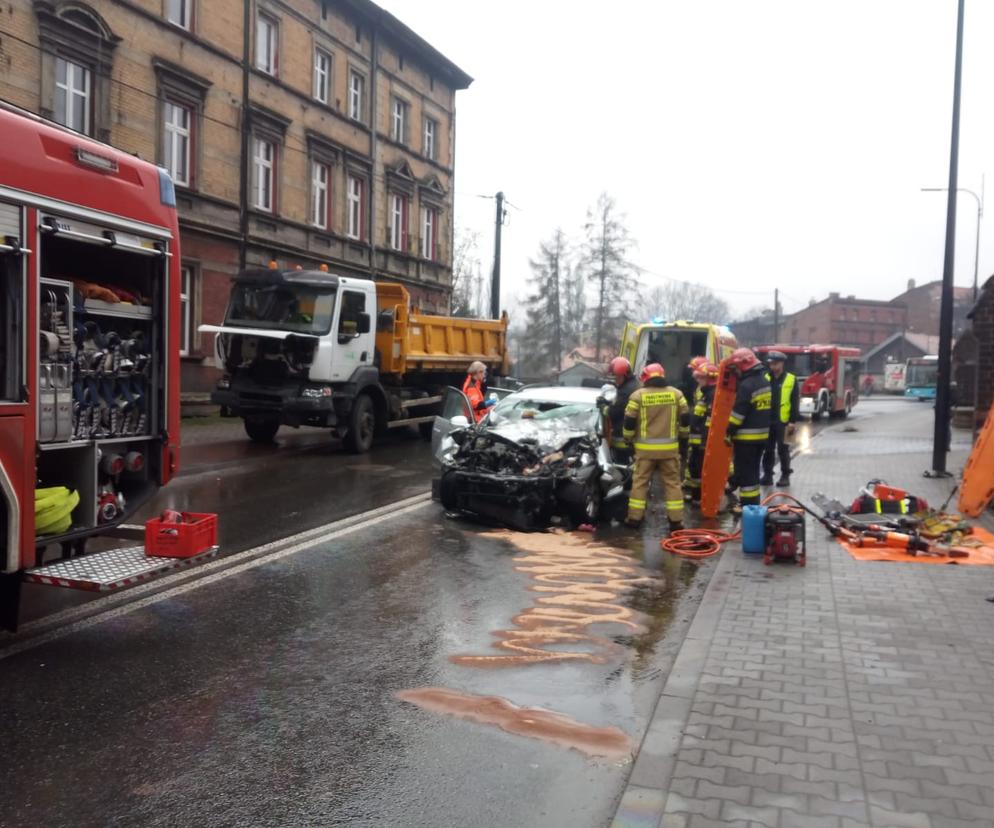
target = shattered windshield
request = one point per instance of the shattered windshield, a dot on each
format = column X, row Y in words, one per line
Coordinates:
column 298, row 308
column 545, row 414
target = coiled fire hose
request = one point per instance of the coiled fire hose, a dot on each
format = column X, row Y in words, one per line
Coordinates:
column 703, row 543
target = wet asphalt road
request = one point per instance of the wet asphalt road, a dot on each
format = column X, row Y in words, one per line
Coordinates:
column 266, row 696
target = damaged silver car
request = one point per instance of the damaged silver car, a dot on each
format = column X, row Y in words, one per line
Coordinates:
column 539, row 455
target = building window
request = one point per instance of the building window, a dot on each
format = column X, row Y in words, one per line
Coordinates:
column 180, row 13
column 357, row 88
column 263, row 174
column 178, row 125
column 431, row 127
column 322, row 75
column 73, row 97
column 320, row 203
column 399, row 121
column 185, row 310
column 267, row 44
column 429, row 233
column 398, row 222
column 356, row 197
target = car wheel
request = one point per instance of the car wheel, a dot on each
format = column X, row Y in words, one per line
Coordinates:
column 362, row 425
column 262, row 431
column 585, row 502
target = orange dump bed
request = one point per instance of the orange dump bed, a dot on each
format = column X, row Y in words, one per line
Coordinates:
column 408, row 341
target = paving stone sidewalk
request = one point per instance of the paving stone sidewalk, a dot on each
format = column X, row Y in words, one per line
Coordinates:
column 841, row 694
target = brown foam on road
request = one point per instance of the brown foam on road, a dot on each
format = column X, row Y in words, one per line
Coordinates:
column 582, row 583
column 534, row 722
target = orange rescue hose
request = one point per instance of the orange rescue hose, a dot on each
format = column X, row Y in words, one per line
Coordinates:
column 703, row 543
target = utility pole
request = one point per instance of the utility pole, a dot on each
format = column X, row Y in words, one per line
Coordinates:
column 940, row 436
column 495, row 279
column 776, row 314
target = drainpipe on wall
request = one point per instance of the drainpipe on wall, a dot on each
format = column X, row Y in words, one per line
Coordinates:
column 243, row 186
column 373, row 143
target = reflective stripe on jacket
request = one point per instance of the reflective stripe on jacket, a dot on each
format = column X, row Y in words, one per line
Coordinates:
column 653, row 419
column 750, row 418
column 700, row 414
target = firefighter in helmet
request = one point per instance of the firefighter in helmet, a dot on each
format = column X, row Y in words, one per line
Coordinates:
column 625, row 384
column 706, row 376
column 655, row 420
column 749, row 423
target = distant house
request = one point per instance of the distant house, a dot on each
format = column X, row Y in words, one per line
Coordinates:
column 580, row 366
column 897, row 349
column 582, row 373
column 923, row 303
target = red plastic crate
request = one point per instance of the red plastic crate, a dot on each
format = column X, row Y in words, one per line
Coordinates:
column 197, row 533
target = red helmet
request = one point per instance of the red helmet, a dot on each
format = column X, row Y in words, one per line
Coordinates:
column 620, row 367
column 695, row 364
column 708, row 370
column 653, row 370
column 743, row 359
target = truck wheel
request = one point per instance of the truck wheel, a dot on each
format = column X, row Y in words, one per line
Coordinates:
column 362, row 425
column 821, row 410
column 848, row 409
column 261, row 431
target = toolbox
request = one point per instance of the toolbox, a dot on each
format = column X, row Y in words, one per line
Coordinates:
column 197, row 533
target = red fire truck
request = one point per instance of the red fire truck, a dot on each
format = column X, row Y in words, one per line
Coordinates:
column 89, row 352
column 828, row 376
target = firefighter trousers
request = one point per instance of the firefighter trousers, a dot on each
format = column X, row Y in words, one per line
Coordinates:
column 746, row 455
column 776, row 445
column 645, row 469
column 695, row 465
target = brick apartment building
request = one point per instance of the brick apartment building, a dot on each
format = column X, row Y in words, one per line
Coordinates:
column 845, row 320
column 305, row 131
column 861, row 323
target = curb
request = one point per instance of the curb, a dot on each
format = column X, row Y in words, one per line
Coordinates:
column 644, row 798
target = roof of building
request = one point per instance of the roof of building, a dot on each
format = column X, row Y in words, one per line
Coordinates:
column 959, row 293
column 925, row 343
column 410, row 39
column 986, row 288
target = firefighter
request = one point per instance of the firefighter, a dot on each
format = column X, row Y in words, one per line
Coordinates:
column 655, row 420
column 785, row 403
column 749, row 423
column 625, row 384
column 706, row 376
column 475, row 389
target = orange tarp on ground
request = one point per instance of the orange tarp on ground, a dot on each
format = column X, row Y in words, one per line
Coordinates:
column 979, row 556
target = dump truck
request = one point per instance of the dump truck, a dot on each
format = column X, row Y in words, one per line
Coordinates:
column 313, row 348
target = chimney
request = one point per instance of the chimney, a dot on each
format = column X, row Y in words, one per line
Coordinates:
column 833, row 296
column 911, row 284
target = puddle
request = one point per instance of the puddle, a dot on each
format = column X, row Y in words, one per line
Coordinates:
column 581, row 584
column 533, row 722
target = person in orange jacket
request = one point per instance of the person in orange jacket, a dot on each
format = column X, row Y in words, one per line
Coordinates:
column 475, row 389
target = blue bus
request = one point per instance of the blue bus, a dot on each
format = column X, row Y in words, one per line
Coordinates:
column 920, row 377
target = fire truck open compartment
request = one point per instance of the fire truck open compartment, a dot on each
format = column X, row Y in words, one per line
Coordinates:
column 102, row 323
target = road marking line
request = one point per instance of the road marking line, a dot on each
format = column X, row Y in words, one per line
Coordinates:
column 250, row 559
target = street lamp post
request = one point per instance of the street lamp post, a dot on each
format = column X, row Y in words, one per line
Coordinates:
column 980, row 214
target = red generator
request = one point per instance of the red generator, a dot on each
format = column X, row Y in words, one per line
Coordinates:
column 785, row 535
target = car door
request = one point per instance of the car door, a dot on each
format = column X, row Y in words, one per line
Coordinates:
column 454, row 404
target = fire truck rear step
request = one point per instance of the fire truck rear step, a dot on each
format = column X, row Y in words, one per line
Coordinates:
column 111, row 570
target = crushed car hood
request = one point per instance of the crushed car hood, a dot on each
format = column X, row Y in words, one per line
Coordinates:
column 542, row 439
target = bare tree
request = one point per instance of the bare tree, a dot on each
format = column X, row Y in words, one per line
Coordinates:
column 467, row 274
column 609, row 272
column 673, row 300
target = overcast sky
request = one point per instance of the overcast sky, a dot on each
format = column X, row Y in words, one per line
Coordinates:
column 752, row 145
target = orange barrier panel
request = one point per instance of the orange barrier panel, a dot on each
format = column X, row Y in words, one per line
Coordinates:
column 977, row 487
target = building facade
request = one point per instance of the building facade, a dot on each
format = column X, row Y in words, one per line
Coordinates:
column 838, row 320
column 302, row 131
column 924, row 301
